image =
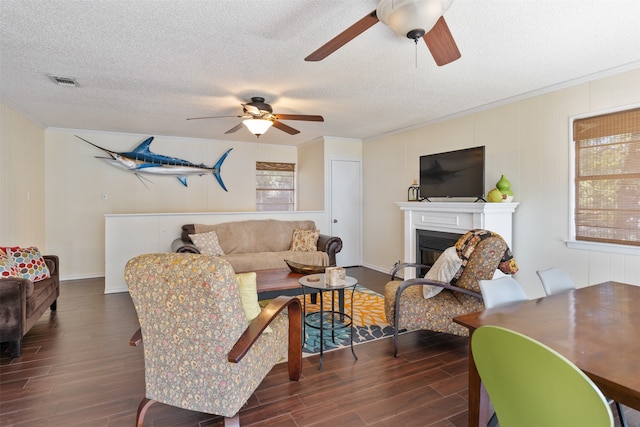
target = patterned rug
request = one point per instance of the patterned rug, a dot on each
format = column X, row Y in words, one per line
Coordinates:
column 369, row 322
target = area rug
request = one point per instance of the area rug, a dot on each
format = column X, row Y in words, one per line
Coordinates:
column 369, row 321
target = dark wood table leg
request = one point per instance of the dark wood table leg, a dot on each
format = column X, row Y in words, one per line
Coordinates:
column 478, row 398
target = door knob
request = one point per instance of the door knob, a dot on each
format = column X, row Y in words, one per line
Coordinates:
column 335, row 221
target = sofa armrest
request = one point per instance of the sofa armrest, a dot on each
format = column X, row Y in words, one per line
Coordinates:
column 331, row 245
column 53, row 263
column 180, row 246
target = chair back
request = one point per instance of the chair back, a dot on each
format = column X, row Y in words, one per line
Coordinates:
column 482, row 264
column 555, row 280
column 531, row 385
column 504, row 290
column 191, row 315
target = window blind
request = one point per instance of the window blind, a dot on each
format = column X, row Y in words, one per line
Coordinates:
column 275, row 189
column 607, row 177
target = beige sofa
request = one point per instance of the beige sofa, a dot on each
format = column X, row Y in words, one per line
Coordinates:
column 261, row 244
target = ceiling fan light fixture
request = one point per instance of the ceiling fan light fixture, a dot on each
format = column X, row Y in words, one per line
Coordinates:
column 411, row 18
column 257, row 126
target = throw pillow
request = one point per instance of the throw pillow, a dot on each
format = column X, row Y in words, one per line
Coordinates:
column 248, row 288
column 443, row 270
column 30, row 263
column 305, row 240
column 7, row 266
column 207, row 243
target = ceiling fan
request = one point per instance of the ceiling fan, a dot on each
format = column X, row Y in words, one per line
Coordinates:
column 410, row 18
column 259, row 118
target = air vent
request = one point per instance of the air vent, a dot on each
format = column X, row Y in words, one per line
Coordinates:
column 64, row 81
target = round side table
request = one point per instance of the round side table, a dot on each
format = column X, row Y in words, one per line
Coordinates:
column 328, row 320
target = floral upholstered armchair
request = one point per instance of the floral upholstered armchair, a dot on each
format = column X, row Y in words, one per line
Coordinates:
column 431, row 303
column 200, row 351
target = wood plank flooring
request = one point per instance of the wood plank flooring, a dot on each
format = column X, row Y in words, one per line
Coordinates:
column 77, row 369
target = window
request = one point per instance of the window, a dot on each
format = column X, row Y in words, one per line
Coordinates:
column 607, row 178
column 275, row 186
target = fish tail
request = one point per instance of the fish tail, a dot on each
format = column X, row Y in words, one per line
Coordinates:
column 216, row 169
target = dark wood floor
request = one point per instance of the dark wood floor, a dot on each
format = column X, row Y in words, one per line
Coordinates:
column 77, row 369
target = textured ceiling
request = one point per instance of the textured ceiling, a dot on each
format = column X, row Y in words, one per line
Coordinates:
column 145, row 66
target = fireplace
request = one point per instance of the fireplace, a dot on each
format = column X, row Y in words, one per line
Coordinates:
column 438, row 225
column 430, row 244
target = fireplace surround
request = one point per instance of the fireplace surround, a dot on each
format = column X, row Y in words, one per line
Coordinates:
column 433, row 225
column 430, row 244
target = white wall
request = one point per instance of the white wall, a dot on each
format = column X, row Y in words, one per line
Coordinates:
column 528, row 142
column 22, row 184
column 76, row 181
column 310, row 173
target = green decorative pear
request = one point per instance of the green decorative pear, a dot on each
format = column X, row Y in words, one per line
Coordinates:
column 504, row 186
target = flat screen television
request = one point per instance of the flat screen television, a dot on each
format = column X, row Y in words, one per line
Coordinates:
column 457, row 173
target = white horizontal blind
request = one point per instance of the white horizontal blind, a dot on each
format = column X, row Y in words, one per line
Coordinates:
column 607, row 184
column 275, row 189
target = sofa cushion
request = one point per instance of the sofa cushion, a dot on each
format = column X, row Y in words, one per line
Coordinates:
column 265, row 235
column 305, row 240
column 42, row 291
column 8, row 267
column 207, row 243
column 30, row 263
column 248, row 287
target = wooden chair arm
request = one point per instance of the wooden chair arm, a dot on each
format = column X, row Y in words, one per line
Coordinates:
column 136, row 338
column 266, row 316
column 404, row 265
column 258, row 325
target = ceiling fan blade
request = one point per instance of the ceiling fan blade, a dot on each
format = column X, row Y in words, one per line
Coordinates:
column 441, row 44
column 234, row 129
column 344, row 37
column 215, row 117
column 285, row 128
column 299, row 117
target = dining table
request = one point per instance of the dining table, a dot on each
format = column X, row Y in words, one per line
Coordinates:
column 596, row 327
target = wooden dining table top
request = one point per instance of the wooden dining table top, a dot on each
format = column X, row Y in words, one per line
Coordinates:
column 596, row 327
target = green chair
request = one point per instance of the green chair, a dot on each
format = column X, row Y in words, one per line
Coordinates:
column 532, row 385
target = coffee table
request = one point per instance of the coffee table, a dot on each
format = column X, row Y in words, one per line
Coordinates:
column 330, row 320
column 278, row 281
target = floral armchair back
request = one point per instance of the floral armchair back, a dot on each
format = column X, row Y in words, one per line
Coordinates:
column 191, row 315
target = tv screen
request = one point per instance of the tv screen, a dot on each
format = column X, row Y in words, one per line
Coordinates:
column 457, row 173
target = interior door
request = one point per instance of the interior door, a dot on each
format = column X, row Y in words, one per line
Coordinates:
column 346, row 208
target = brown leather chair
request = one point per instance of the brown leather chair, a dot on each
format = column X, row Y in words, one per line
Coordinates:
column 23, row 302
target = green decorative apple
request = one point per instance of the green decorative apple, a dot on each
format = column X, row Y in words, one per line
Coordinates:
column 494, row 196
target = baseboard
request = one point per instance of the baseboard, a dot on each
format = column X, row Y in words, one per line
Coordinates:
column 376, row 268
column 82, row 277
column 382, row 270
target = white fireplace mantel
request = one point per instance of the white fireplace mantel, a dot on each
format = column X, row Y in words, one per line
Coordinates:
column 454, row 217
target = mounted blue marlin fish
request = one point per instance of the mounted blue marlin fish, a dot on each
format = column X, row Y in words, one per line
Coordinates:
column 142, row 160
